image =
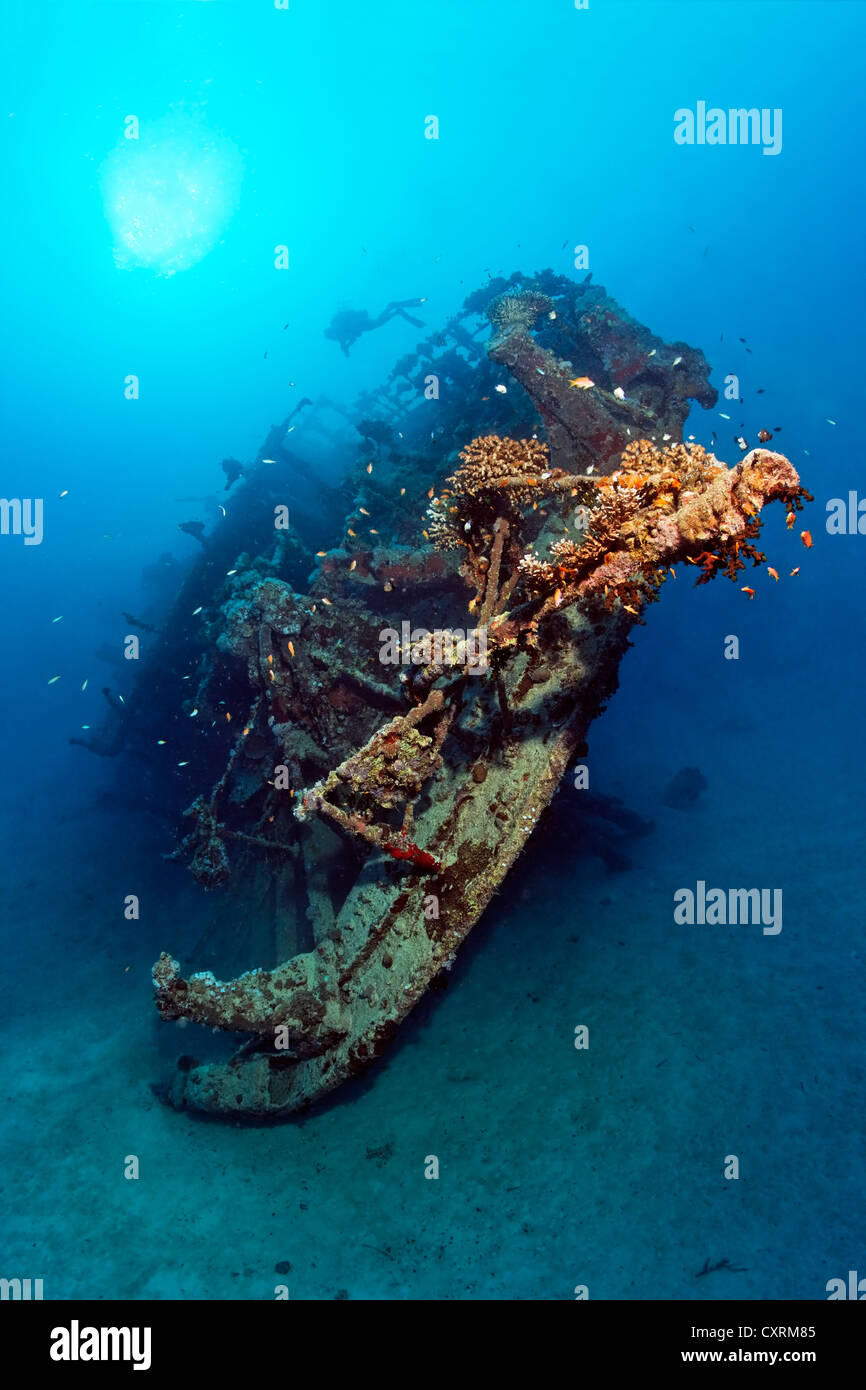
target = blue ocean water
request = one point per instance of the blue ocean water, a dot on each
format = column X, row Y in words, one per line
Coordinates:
column 306, row 127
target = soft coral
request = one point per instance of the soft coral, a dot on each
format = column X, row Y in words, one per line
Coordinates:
column 404, row 849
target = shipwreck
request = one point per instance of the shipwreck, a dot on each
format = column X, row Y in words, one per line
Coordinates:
column 541, row 495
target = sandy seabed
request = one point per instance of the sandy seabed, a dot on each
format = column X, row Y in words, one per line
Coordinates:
column 558, row 1167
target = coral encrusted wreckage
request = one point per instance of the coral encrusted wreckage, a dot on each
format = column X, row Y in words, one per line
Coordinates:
column 381, row 802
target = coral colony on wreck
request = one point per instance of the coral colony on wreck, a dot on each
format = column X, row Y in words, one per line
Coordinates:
column 737, row 126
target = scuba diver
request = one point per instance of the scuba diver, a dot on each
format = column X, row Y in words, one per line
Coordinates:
column 347, row 326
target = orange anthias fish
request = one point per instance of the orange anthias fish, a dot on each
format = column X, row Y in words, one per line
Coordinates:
column 747, row 590
column 774, row 574
column 790, row 519
column 806, row 538
column 584, row 382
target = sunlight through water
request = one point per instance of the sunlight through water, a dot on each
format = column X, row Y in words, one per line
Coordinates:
column 170, row 193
